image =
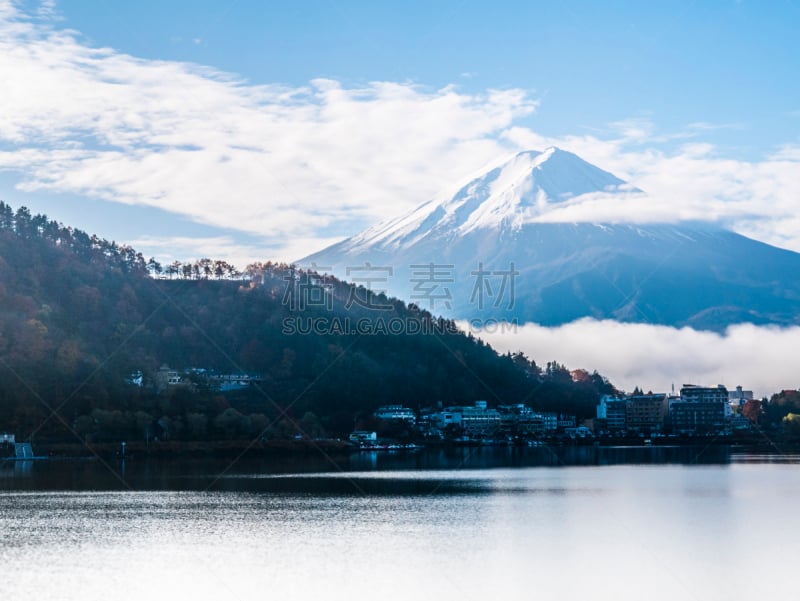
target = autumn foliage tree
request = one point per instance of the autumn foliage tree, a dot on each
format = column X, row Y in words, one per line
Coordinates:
column 752, row 410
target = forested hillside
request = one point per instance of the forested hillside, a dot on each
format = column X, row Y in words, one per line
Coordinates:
column 79, row 315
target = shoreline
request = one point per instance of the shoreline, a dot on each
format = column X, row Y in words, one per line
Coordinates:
column 234, row 448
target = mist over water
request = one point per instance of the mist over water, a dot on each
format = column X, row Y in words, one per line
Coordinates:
column 762, row 359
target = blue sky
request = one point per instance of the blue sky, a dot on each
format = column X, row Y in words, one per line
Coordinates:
column 731, row 65
column 257, row 130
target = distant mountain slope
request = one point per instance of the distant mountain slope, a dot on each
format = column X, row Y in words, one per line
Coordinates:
column 687, row 274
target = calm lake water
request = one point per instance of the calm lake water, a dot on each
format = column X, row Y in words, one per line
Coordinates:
column 465, row 524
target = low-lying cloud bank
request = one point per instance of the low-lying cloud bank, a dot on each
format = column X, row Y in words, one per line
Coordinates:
column 762, row 359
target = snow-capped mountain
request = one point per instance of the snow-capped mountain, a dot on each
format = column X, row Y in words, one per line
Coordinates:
column 508, row 196
column 490, row 251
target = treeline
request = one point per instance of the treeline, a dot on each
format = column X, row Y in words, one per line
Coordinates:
column 85, row 247
column 194, row 270
column 780, row 416
column 79, row 314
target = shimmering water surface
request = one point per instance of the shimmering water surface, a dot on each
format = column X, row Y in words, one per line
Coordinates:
column 401, row 527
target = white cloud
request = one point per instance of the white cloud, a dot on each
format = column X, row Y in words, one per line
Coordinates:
column 762, row 359
column 757, row 199
column 185, row 248
column 279, row 161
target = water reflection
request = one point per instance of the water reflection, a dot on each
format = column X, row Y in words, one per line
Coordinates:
column 204, row 473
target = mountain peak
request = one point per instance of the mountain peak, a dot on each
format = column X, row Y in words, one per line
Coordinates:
column 545, row 154
column 527, row 185
column 524, row 187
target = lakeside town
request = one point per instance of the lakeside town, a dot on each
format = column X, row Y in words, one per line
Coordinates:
column 696, row 411
column 704, row 412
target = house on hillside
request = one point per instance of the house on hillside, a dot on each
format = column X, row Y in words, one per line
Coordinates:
column 135, row 378
column 167, row 377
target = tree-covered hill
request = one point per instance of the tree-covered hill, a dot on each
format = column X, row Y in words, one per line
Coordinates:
column 79, row 315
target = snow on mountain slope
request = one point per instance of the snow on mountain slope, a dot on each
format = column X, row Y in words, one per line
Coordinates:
column 510, row 195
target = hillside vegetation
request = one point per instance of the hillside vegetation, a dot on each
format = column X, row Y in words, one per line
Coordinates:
column 79, row 315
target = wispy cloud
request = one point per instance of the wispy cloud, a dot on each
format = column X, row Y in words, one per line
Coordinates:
column 655, row 357
column 705, row 126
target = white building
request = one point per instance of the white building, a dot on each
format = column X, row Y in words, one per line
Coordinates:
column 739, row 397
column 478, row 419
column 396, row 413
column 550, row 422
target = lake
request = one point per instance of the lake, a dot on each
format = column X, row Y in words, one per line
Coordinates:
column 641, row 523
